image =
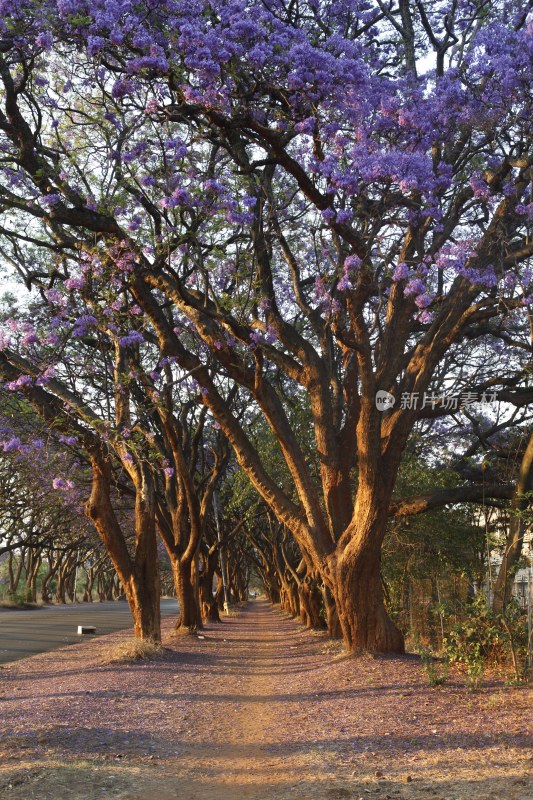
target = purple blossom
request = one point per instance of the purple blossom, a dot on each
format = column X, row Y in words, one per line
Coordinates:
column 63, row 485
column 344, row 215
column 271, row 335
column 480, row 187
column 83, row 324
column 415, row 286
column 52, row 339
column 29, row 339
column 74, row 283
column 51, row 199
column 95, row 44
column 116, row 37
column 401, row 272
column 352, row 264
column 70, row 440
column 45, row 377
column 256, row 339
column 151, row 106
column 5, row 340
column 306, row 126
column 132, row 338
column 11, row 445
column 122, row 88
column 20, row 383
column 525, row 210
column 423, row 300
column 44, row 40
column 54, row 296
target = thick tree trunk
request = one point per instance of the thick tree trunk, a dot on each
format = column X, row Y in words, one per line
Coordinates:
column 293, row 598
column 208, row 604
column 285, row 601
column 358, row 590
column 189, row 620
column 139, row 575
column 288, row 592
column 310, row 604
column 332, row 617
column 142, row 594
column 209, row 607
column 272, row 592
column 143, row 588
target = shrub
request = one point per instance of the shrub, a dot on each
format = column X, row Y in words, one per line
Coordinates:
column 435, row 669
column 483, row 637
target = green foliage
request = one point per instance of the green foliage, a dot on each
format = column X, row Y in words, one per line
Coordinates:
column 435, row 669
column 482, row 637
column 80, row 20
column 19, row 599
column 436, row 552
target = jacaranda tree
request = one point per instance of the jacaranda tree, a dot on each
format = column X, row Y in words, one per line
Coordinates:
column 312, row 201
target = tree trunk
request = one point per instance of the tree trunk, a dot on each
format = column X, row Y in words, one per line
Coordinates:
column 511, row 556
column 272, row 592
column 358, row 591
column 515, row 539
column 89, row 583
column 61, row 586
column 53, row 566
column 142, row 587
column 139, row 575
column 310, row 603
column 293, row 598
column 208, row 605
column 142, row 594
column 189, row 620
column 219, row 592
column 332, row 617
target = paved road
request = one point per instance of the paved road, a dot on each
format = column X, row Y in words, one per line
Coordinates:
column 23, row 633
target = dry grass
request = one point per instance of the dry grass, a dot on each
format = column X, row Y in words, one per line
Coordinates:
column 233, row 610
column 334, row 647
column 16, row 605
column 132, row 650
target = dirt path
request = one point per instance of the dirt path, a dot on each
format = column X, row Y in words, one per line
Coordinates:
column 257, row 709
